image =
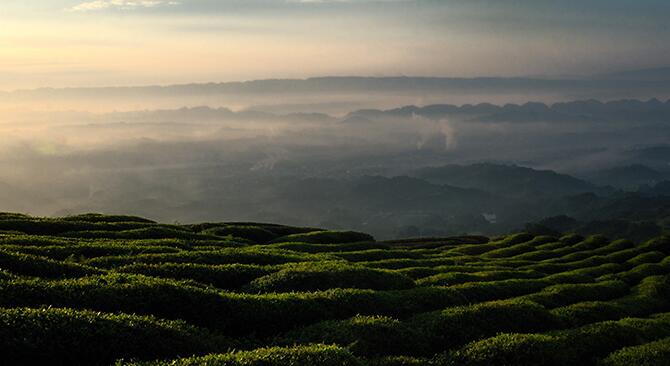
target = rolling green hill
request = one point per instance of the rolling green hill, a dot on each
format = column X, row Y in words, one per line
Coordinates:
column 103, row 290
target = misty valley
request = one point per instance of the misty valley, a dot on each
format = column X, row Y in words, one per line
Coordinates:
column 437, row 170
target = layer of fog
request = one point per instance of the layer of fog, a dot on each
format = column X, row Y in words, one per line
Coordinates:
column 205, row 164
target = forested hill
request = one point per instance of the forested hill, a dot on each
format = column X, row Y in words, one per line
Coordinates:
column 102, row 290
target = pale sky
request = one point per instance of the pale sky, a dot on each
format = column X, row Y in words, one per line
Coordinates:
column 62, row 43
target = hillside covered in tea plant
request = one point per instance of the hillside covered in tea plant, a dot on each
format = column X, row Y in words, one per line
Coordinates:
column 103, row 290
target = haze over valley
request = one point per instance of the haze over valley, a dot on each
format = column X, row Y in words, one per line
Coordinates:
column 434, row 169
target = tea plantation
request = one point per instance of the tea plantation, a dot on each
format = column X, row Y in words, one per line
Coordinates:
column 105, row 290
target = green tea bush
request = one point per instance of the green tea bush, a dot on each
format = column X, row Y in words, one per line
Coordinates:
column 120, row 293
column 542, row 254
column 55, row 241
column 571, row 238
column 541, row 240
column 616, row 245
column 256, row 234
column 445, row 329
column 397, row 361
column 648, row 257
column 661, row 244
column 507, row 262
column 211, row 248
column 248, row 255
column 423, row 272
column 74, row 337
column 36, row 226
column 592, row 242
column 215, row 244
column 321, row 355
column 267, row 314
column 565, row 294
column 276, row 229
column 472, row 267
column 623, row 255
column 378, row 254
column 30, row 265
column 654, row 286
column 568, row 277
column 406, row 263
column 4, row 275
column 588, row 312
column 441, row 244
column 497, row 290
column 593, row 272
column 363, row 335
column 36, row 240
column 320, row 276
column 477, row 249
column 593, row 341
column 330, row 248
column 650, row 354
column 585, row 250
column 516, row 239
column 418, row 272
column 509, row 251
column 225, row 276
column 508, row 350
column 592, row 261
column 95, row 217
column 326, row 237
column 13, row 215
column 650, row 296
column 152, row 232
column 572, row 257
column 204, row 288
column 87, row 250
column 640, row 272
column 579, row 346
column 453, row 278
column 556, row 245
column 270, row 314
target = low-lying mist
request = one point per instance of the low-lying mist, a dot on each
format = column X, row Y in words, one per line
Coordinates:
column 359, row 169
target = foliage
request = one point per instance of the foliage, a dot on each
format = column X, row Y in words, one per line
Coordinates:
column 319, row 276
column 75, row 290
column 275, row 356
column 76, row 337
column 31, row 265
column 255, row 234
column 444, row 329
column 649, row 354
column 363, row 335
column 326, row 237
column 224, row 276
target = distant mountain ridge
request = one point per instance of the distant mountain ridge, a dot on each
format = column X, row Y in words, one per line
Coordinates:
column 592, row 110
column 628, row 177
column 329, row 84
column 659, row 73
column 581, row 110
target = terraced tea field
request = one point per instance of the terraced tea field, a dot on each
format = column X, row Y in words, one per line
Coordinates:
column 100, row 290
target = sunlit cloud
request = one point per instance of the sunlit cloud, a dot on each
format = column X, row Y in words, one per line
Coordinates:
column 120, row 4
column 133, row 42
